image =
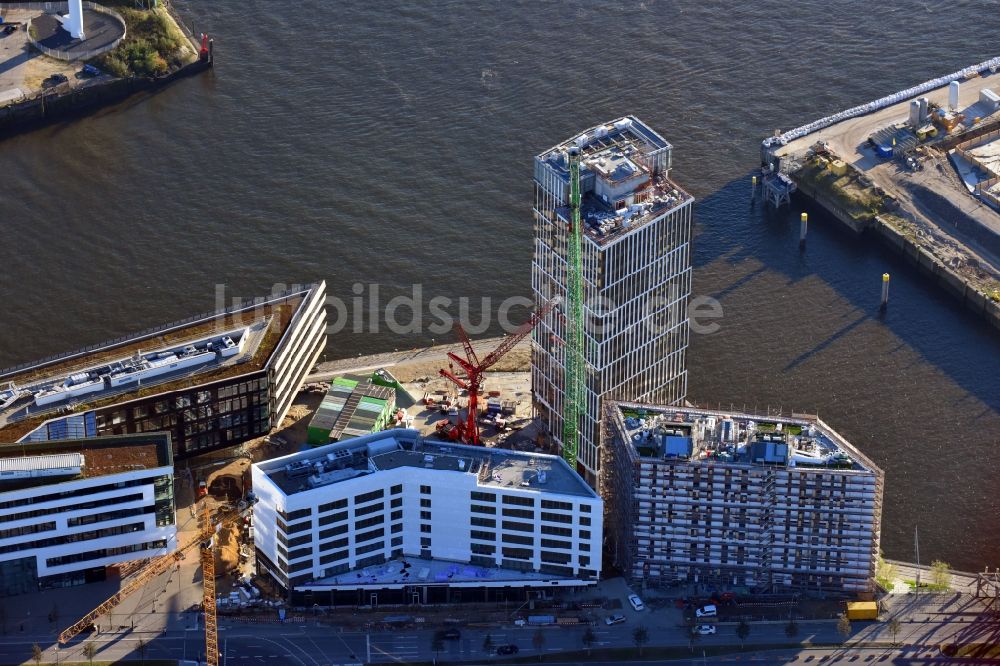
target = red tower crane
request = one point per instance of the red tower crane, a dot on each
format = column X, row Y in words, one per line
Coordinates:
column 474, row 368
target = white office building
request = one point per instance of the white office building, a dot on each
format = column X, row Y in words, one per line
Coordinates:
column 69, row 509
column 636, row 257
column 394, row 518
column 739, row 500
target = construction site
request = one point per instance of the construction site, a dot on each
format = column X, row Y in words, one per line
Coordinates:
column 919, row 168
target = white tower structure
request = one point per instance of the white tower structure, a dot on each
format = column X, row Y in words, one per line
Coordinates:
column 953, row 89
column 73, row 22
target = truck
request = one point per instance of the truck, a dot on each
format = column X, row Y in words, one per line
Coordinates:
column 862, row 610
column 540, row 620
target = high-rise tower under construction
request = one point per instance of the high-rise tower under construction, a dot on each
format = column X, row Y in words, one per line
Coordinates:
column 636, row 274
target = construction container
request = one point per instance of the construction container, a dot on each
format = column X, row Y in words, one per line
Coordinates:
column 353, row 406
column 838, row 167
column 862, row 610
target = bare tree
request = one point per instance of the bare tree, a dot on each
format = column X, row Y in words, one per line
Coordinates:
column 36, row 653
column 640, row 637
column 141, row 646
column 894, row 626
column 791, row 629
column 589, row 638
column 844, row 626
column 693, row 637
column 742, row 631
column 437, row 644
column 538, row 640
column 90, row 651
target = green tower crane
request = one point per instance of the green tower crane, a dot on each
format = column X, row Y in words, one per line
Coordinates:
column 574, row 402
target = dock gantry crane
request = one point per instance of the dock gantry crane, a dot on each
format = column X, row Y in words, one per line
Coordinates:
column 474, row 369
column 205, row 539
column 574, row 400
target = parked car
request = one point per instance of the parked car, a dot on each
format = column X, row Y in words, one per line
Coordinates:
column 703, row 630
column 636, row 602
column 614, row 619
column 451, row 634
column 55, row 79
column 707, row 611
column 507, row 649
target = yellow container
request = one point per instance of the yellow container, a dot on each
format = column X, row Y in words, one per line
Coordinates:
column 862, row 610
column 838, row 167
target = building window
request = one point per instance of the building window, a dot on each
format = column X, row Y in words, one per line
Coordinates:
column 425, row 515
column 518, row 500
column 425, row 502
column 557, row 531
column 518, row 539
column 479, row 508
column 519, row 527
column 333, row 531
column 368, row 497
column 559, row 506
column 368, row 536
column 365, row 510
column 368, row 522
column 336, row 543
column 483, row 497
column 555, row 543
column 425, row 542
column 395, row 490
column 334, row 557
column 519, row 513
column 483, row 536
column 396, row 502
column 333, row 518
column 299, row 527
column 339, row 504
column 425, row 490
column 484, row 522
column 368, row 548
column 299, row 566
column 425, row 528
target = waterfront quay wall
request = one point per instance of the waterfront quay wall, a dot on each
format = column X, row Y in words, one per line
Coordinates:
column 926, row 263
column 32, row 113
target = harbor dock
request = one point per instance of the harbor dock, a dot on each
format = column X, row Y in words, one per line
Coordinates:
column 919, row 169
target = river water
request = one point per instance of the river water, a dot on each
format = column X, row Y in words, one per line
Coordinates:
column 391, row 143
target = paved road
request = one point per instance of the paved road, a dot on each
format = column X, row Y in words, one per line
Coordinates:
column 321, row 645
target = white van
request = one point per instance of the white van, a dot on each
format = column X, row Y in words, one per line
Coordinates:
column 707, row 611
